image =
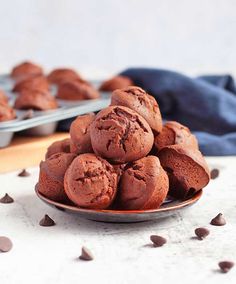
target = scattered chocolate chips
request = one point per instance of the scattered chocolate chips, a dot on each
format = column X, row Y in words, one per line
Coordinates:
column 46, row 221
column 24, row 173
column 6, row 199
column 86, row 254
column 158, row 241
column 219, row 220
column 5, row 244
column 202, row 233
column 214, row 173
column 225, row 266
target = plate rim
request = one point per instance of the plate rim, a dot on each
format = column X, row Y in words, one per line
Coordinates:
column 180, row 205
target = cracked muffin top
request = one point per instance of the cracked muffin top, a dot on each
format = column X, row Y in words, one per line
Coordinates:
column 91, row 182
column 138, row 100
column 143, row 185
column 120, row 135
column 175, row 133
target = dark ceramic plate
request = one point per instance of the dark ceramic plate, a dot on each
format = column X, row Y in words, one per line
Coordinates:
column 169, row 207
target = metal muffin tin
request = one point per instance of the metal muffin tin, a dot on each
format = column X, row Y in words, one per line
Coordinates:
column 43, row 123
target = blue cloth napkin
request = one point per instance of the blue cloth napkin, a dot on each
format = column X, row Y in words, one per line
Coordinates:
column 206, row 104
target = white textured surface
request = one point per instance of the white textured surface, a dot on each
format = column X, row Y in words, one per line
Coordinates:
column 105, row 36
column 122, row 251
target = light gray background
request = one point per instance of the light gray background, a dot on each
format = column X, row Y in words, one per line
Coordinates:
column 101, row 37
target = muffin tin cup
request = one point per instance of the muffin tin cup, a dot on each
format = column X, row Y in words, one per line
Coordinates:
column 41, row 130
column 43, row 123
column 5, row 138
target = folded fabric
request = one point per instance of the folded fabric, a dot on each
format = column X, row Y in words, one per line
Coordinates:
column 206, row 104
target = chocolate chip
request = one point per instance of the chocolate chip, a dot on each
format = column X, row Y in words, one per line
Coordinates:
column 86, row 254
column 219, row 220
column 23, row 173
column 46, row 221
column 6, row 199
column 5, row 244
column 158, row 241
column 202, row 233
column 225, row 266
column 214, row 173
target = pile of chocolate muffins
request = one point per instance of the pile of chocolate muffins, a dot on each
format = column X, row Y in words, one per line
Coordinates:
column 123, row 158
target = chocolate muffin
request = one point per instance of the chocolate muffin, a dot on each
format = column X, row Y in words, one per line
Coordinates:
column 25, row 70
column 117, row 82
column 120, row 135
column 187, row 169
column 6, row 112
column 143, row 185
column 91, row 182
column 51, row 176
column 138, row 100
column 62, row 146
column 60, row 75
column 32, row 83
column 36, row 100
column 80, row 134
column 175, row 133
column 77, row 90
column 3, row 98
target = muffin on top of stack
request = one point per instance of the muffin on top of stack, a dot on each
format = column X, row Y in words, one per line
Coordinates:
column 123, row 157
